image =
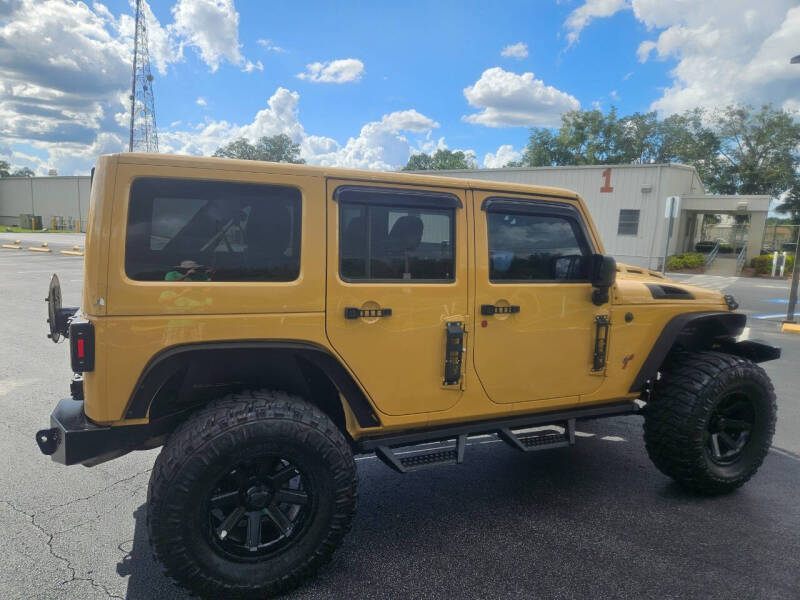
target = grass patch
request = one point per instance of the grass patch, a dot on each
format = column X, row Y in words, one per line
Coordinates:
column 689, row 260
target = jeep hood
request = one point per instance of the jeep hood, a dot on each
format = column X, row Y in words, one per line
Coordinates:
column 637, row 285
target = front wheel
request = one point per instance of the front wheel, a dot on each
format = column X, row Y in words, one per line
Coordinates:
column 711, row 420
column 250, row 496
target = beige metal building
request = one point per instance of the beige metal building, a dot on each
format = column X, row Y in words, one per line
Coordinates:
column 55, row 199
column 629, row 205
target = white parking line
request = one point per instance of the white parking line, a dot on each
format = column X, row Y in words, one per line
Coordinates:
column 785, row 453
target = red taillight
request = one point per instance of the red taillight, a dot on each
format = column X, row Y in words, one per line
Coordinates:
column 81, row 338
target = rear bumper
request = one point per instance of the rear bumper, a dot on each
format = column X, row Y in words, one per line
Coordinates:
column 73, row 439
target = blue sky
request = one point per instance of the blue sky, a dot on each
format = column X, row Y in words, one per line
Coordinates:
column 392, row 79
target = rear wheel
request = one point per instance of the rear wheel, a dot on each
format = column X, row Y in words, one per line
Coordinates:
column 250, row 496
column 711, row 420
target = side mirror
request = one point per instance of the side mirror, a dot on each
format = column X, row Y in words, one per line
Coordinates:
column 602, row 274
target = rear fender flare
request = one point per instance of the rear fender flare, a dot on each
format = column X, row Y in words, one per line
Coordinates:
column 175, row 361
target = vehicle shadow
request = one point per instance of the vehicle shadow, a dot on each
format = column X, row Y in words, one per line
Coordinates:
column 145, row 579
column 594, row 521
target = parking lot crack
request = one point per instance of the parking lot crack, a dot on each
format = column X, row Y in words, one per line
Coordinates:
column 97, row 493
column 73, row 576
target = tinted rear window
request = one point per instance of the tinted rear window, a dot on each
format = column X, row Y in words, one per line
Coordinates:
column 189, row 230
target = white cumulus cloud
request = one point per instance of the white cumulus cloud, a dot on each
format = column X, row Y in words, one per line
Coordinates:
column 211, row 27
column 511, row 100
column 727, row 51
column 504, row 155
column 518, row 50
column 724, row 51
column 269, row 45
column 383, row 145
column 249, row 67
column 65, row 73
column 579, row 18
column 343, row 70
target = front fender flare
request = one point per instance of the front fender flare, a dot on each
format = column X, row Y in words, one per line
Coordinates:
column 693, row 331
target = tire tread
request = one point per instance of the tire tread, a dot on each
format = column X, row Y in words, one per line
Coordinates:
column 675, row 417
column 201, row 433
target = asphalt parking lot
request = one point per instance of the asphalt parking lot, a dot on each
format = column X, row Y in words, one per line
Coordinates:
column 593, row 521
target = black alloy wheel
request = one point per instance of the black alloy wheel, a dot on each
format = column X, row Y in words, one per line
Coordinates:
column 259, row 508
column 730, row 427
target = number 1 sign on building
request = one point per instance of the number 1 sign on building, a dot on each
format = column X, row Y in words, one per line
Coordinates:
column 607, row 187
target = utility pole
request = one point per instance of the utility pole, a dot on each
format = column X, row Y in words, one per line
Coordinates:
column 143, row 133
column 672, row 206
column 796, row 271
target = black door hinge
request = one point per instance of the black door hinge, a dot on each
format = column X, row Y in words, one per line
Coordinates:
column 600, row 342
column 453, row 352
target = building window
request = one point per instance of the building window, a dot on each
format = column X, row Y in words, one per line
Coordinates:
column 395, row 241
column 535, row 248
column 189, row 230
column 628, row 222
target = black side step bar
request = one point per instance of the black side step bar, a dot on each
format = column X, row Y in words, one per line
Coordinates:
column 540, row 440
column 512, row 431
column 414, row 462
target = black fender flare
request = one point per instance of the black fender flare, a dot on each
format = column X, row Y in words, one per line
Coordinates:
column 693, row 330
column 168, row 362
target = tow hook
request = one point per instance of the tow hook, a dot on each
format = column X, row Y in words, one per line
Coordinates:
column 48, row 440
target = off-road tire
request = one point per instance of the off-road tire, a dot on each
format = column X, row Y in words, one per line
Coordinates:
column 678, row 417
column 235, row 428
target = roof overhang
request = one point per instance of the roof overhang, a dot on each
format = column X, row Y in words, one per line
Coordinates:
column 726, row 204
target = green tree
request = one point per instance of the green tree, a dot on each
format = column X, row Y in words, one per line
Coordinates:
column 758, row 150
column 544, row 150
column 4, row 167
column 593, row 138
column 440, row 160
column 276, row 148
column 791, row 204
column 686, row 139
column 736, row 150
column 23, row 172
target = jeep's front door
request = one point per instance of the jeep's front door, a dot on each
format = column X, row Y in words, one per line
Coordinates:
column 397, row 274
column 534, row 337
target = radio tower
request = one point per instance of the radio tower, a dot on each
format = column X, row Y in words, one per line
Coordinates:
column 144, row 137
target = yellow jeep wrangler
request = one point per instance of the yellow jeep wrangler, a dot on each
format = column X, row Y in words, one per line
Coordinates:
column 267, row 322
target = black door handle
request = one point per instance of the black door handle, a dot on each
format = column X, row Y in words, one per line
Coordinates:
column 488, row 310
column 351, row 312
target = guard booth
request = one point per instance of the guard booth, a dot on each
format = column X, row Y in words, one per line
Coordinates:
column 740, row 222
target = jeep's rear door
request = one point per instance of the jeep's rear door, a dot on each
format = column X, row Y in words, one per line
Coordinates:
column 536, row 326
column 397, row 274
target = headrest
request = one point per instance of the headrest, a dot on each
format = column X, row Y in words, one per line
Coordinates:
column 406, row 233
